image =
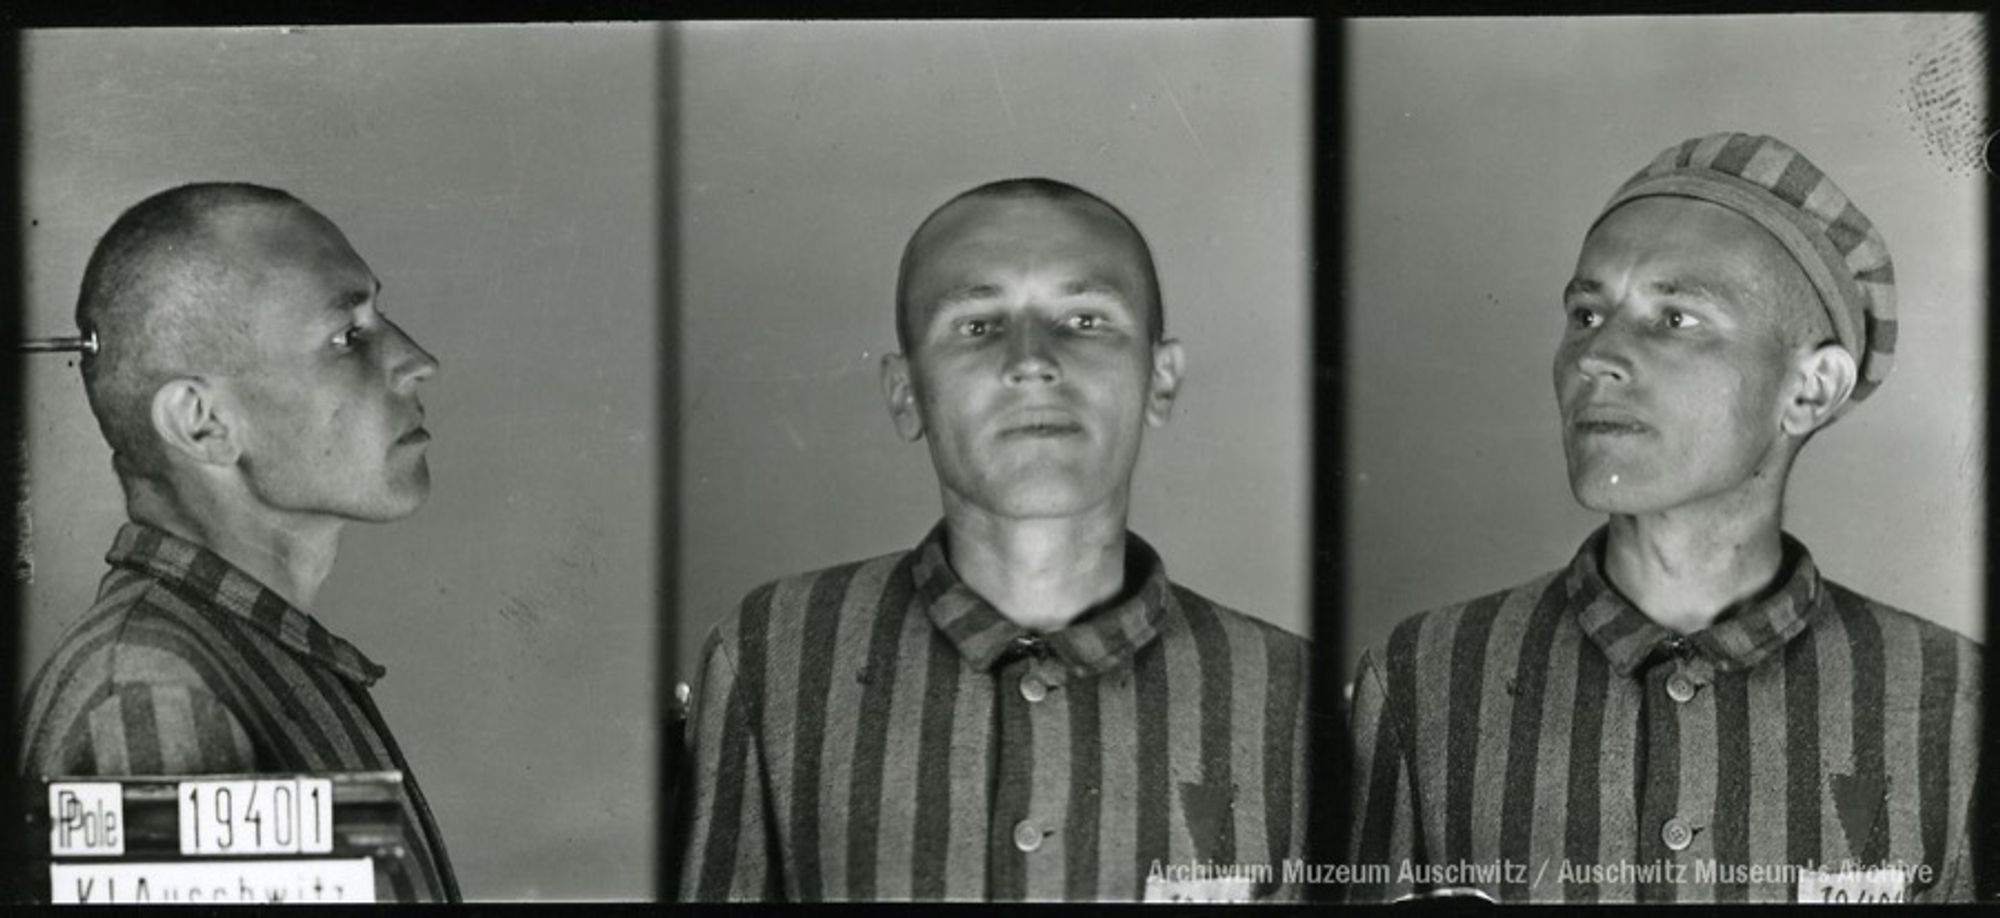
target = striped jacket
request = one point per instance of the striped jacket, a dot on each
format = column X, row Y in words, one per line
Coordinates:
column 186, row 665
column 878, row 731
column 1551, row 743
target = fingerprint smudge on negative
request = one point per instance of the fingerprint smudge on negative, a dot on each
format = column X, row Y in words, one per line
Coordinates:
column 1946, row 94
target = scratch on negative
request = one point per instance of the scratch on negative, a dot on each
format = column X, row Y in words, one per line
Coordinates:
column 993, row 66
column 1178, row 110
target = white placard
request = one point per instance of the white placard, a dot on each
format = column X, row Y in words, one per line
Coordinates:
column 256, row 816
column 214, row 882
column 86, row 819
column 1873, row 885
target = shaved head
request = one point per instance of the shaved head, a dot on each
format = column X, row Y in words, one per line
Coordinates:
column 164, row 293
column 1802, row 318
column 1032, row 189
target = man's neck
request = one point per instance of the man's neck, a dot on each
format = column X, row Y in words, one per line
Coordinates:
column 1040, row 574
column 1684, row 568
column 289, row 556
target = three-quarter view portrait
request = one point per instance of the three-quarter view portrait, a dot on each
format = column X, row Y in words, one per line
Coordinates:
column 1745, row 674
column 1324, row 463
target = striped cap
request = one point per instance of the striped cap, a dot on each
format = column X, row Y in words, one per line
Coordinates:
column 1843, row 255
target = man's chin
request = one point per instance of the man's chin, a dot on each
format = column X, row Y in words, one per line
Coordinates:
column 1612, row 493
column 1046, row 497
column 384, row 514
column 400, row 503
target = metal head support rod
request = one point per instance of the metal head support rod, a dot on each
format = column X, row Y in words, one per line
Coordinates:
column 86, row 344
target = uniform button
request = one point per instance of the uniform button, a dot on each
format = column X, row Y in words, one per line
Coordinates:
column 1680, row 688
column 1027, row 836
column 1033, row 688
column 1675, row 833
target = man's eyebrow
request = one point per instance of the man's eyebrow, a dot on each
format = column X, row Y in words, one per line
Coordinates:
column 1093, row 286
column 1683, row 287
column 1692, row 288
column 350, row 300
column 1087, row 286
column 965, row 292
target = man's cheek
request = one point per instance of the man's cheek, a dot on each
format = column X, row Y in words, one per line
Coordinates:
column 335, row 425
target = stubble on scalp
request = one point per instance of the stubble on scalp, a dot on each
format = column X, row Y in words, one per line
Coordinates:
column 165, row 292
column 1043, row 189
column 1799, row 315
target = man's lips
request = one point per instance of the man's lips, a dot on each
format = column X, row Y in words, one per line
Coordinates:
column 1040, row 424
column 1607, row 423
column 417, row 435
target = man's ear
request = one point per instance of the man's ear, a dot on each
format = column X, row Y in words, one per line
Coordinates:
column 186, row 418
column 1165, row 382
column 901, row 394
column 1825, row 378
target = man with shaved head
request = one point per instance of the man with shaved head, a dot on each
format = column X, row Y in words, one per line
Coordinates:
column 1023, row 706
column 1690, row 711
column 256, row 399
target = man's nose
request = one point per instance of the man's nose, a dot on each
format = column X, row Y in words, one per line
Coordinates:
column 1605, row 352
column 409, row 362
column 1029, row 357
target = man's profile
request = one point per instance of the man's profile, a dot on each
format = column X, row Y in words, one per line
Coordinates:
column 1690, row 711
column 256, row 399
column 1023, row 706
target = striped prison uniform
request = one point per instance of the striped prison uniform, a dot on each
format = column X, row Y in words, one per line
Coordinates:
column 1555, row 731
column 878, row 731
column 188, row 666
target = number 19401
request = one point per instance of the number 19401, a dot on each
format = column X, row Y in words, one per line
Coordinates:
column 293, row 816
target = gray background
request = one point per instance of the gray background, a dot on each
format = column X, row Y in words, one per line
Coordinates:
column 500, row 181
column 1479, row 152
column 811, row 151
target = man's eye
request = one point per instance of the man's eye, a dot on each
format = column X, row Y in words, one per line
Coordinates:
column 350, row 336
column 1678, row 320
column 1085, row 321
column 975, row 328
column 1584, row 317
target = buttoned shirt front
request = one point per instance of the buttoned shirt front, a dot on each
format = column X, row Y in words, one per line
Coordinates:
column 187, row 666
column 878, row 731
column 1552, row 743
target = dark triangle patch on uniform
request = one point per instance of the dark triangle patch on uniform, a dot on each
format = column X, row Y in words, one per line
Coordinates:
column 1209, row 817
column 1858, row 801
